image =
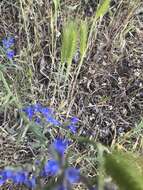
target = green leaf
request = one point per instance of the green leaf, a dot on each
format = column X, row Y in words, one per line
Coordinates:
column 56, row 4
column 102, row 9
column 83, row 36
column 124, row 170
column 69, row 42
column 36, row 130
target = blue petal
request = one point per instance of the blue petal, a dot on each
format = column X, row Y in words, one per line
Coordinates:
column 72, row 128
column 74, row 120
column 45, row 111
column 37, row 107
column 8, row 174
column 2, row 178
column 30, row 182
column 37, row 162
column 37, row 120
column 52, row 167
column 29, row 111
column 20, row 177
column 72, row 175
column 60, row 145
column 8, row 42
column 10, row 54
column 52, row 120
column 2, row 181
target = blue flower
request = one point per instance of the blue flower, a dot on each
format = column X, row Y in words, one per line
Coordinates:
column 74, row 120
column 30, row 182
column 51, row 168
column 72, row 128
column 29, row 111
column 37, row 120
column 37, row 162
column 10, row 54
column 20, row 177
column 60, row 145
column 37, row 107
column 7, row 45
column 52, row 120
column 2, row 181
column 2, row 178
column 8, row 42
column 45, row 111
column 7, row 174
column 17, row 177
column 72, row 175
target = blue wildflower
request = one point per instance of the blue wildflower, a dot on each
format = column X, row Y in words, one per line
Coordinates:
column 8, row 174
column 52, row 120
column 45, row 111
column 30, row 182
column 72, row 175
column 72, row 128
column 37, row 162
column 2, row 181
column 37, row 107
column 74, row 120
column 2, row 178
column 60, row 145
column 7, row 45
column 20, row 177
column 29, row 111
column 8, row 42
column 17, row 177
column 10, row 54
column 51, row 168
column 37, row 120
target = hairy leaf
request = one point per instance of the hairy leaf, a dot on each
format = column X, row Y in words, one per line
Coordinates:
column 56, row 4
column 83, row 36
column 102, row 9
column 124, row 170
column 69, row 42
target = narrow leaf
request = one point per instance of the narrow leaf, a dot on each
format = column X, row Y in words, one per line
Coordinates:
column 69, row 42
column 56, row 4
column 83, row 36
column 102, row 9
column 37, row 132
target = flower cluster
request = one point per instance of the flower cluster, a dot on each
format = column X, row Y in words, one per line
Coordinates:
column 73, row 125
column 54, row 166
column 51, row 168
column 57, row 166
column 8, row 44
column 18, row 178
column 33, row 111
